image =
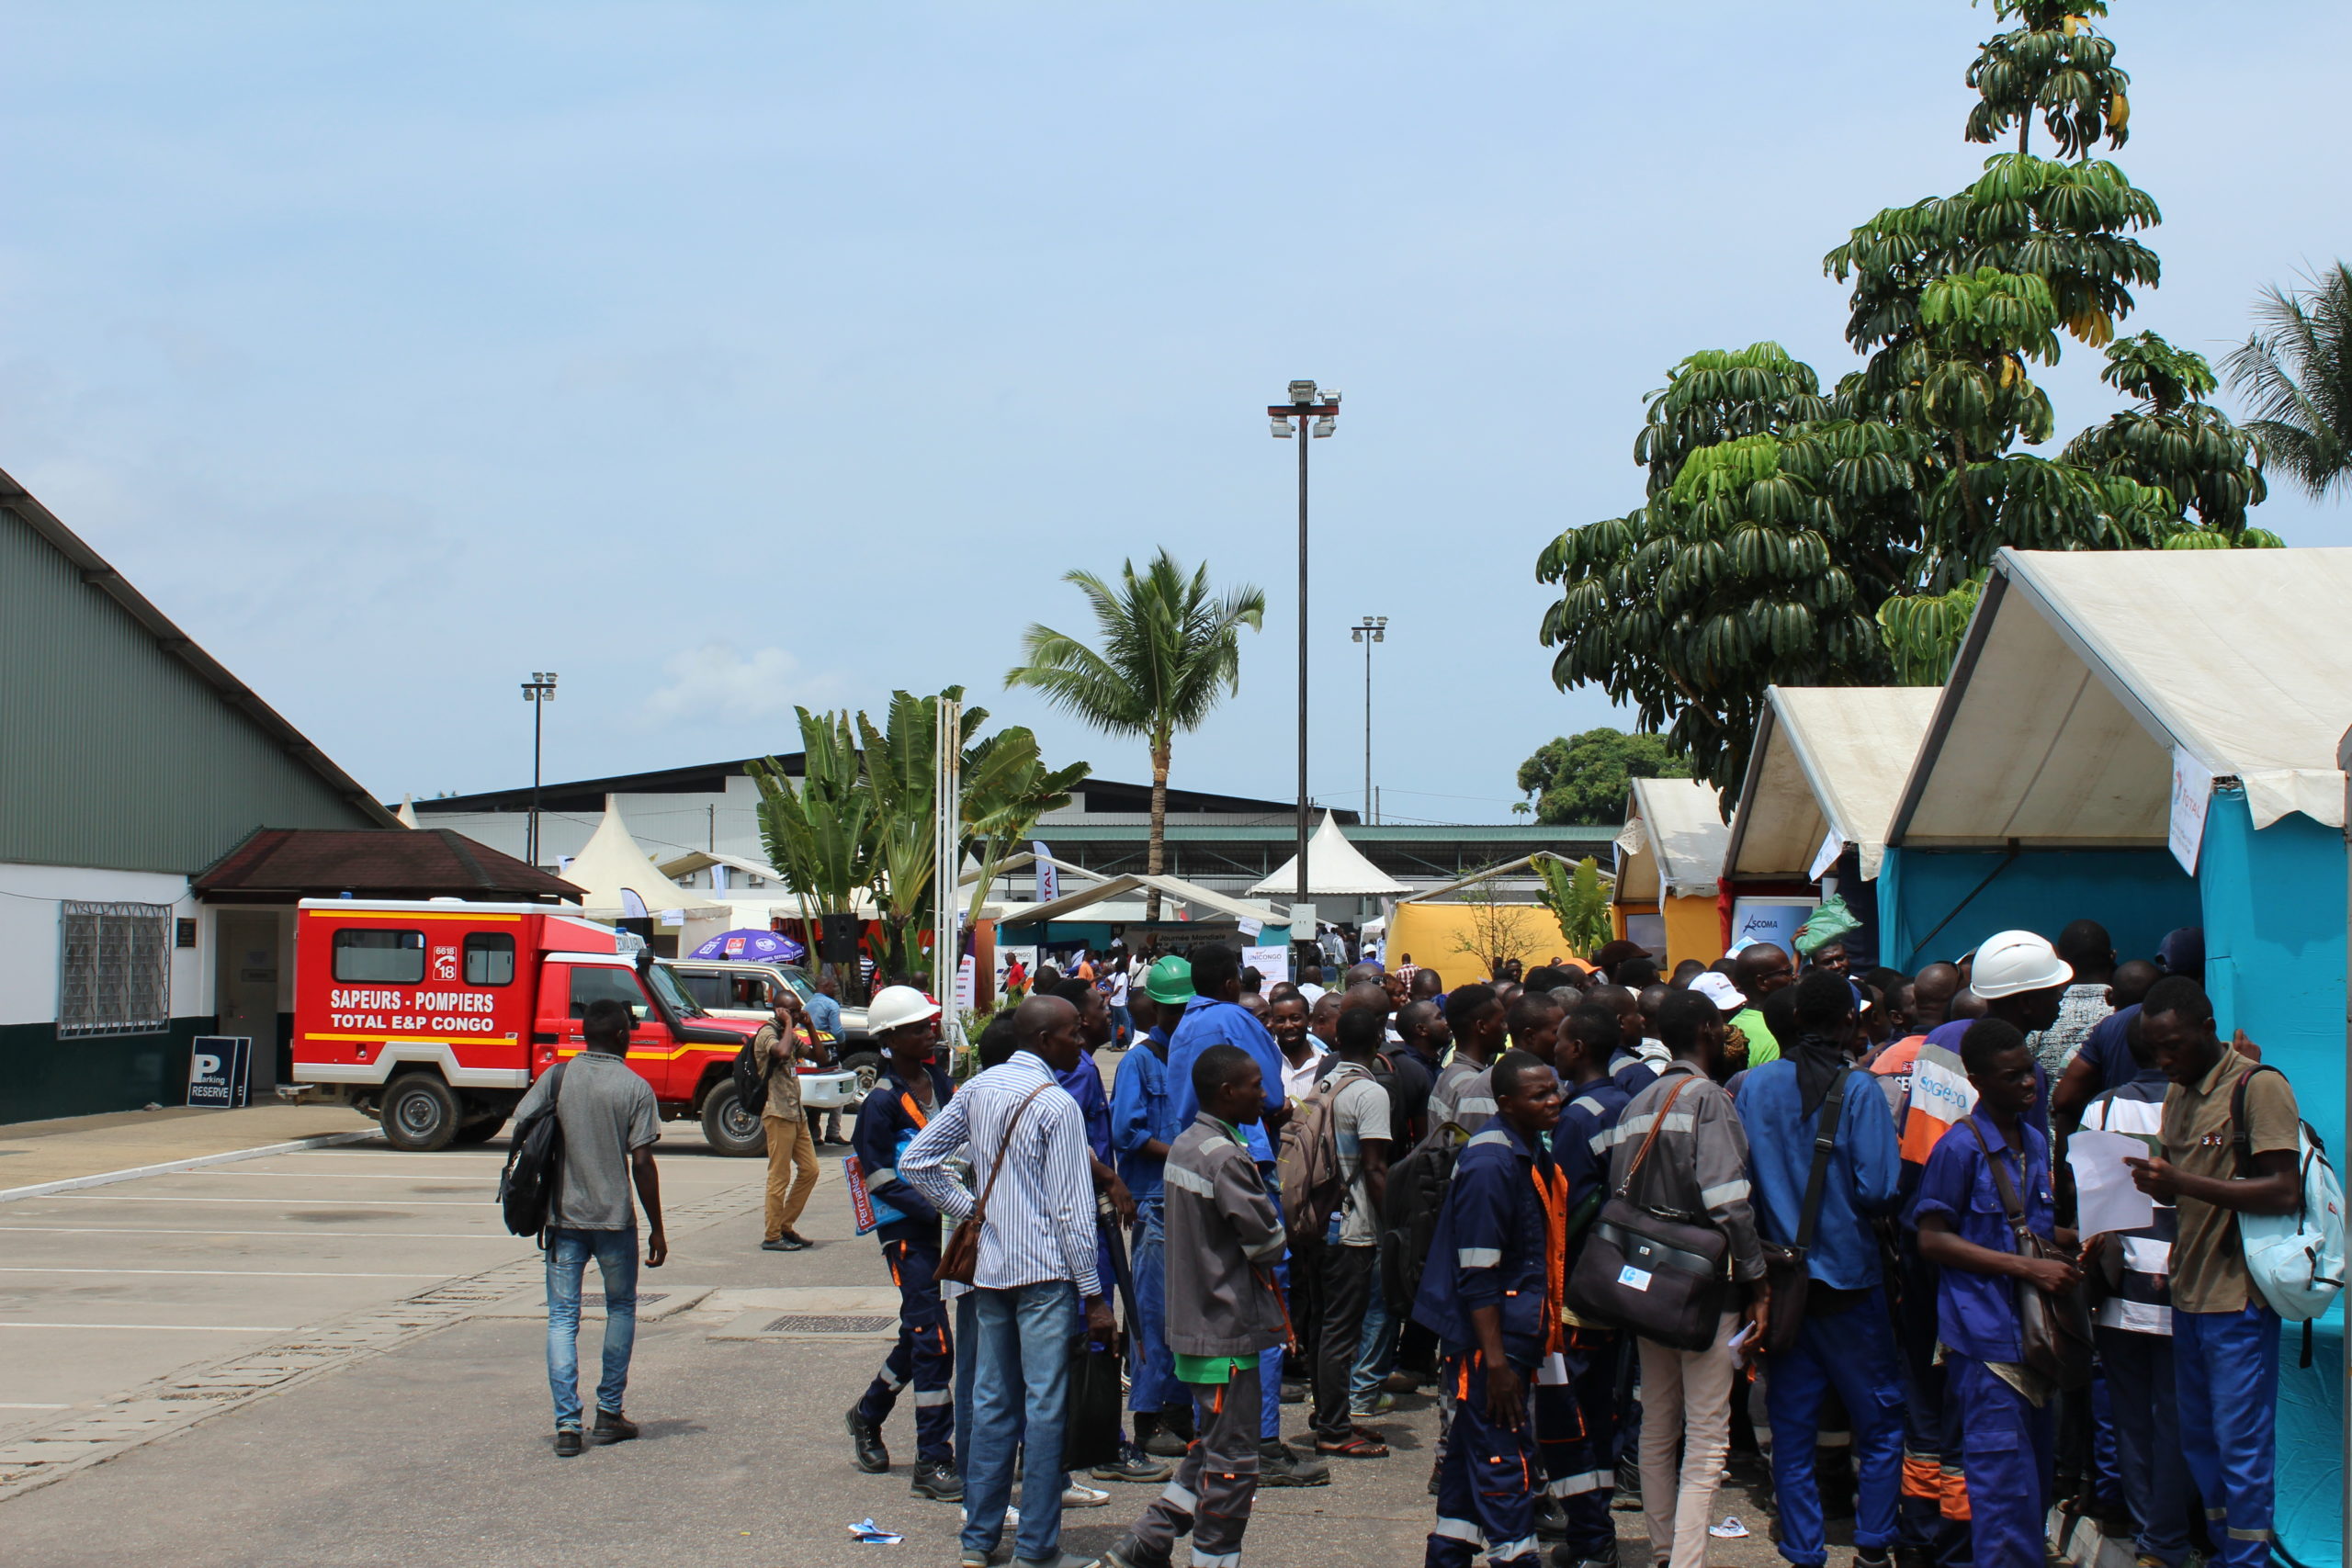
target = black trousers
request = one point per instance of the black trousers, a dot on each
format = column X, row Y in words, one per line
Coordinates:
column 1349, row 1275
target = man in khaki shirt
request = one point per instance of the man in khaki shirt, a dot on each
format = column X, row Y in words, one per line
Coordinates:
column 777, row 1051
column 2225, row 1338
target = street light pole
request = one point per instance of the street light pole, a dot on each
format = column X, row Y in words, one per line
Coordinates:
column 1370, row 629
column 539, row 691
column 1317, row 413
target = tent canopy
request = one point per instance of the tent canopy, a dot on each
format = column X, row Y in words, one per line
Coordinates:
column 1335, row 868
column 2083, row 672
column 1828, row 759
column 1175, row 887
column 1673, row 841
column 612, row 864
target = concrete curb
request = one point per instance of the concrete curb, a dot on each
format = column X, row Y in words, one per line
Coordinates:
column 107, row 1178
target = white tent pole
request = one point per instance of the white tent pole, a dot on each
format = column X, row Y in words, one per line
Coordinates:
column 947, row 805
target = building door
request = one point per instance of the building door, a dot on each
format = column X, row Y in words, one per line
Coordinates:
column 246, row 989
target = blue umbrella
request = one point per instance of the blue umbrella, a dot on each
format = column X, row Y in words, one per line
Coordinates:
column 750, row 944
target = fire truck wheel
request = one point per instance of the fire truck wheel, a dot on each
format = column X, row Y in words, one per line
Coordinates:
column 727, row 1127
column 867, row 1066
column 420, row 1113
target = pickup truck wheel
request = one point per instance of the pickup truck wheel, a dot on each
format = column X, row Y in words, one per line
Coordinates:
column 727, row 1127
column 420, row 1113
column 479, row 1131
column 867, row 1066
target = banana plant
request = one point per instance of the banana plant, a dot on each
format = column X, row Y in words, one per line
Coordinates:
column 901, row 760
column 819, row 833
column 1007, row 787
column 1578, row 899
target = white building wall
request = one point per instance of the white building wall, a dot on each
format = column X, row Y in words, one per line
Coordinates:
column 30, row 896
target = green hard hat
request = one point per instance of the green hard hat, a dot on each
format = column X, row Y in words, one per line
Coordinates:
column 1169, row 980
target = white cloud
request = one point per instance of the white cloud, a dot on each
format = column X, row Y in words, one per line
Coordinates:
column 718, row 683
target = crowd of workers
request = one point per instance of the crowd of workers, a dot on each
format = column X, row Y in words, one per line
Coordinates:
column 1336, row 1195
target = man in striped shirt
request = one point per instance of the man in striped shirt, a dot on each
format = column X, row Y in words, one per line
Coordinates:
column 1037, row 1260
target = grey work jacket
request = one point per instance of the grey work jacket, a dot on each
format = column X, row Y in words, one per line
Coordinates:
column 1698, row 1168
column 1225, row 1230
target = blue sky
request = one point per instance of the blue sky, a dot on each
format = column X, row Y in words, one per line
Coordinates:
column 728, row 356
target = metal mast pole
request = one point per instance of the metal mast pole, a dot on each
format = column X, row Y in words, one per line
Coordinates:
column 538, row 709
column 1373, row 815
column 1306, row 437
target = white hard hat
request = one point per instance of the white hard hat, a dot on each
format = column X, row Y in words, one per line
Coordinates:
column 895, row 1007
column 2013, row 963
column 1719, row 990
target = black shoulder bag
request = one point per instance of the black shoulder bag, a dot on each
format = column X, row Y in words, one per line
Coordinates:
column 527, row 1187
column 1660, row 1275
column 2054, row 1326
column 1784, row 1266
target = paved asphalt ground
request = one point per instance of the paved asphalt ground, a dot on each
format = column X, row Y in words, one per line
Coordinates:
column 436, row 1451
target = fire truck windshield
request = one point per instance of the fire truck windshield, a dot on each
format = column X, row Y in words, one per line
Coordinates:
column 673, row 994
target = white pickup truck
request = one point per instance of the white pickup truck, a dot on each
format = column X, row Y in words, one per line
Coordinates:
column 731, row 989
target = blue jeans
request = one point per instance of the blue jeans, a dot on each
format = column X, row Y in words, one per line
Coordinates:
column 1152, row 1386
column 1020, row 1394
column 2146, row 1428
column 1377, row 1357
column 1269, row 1359
column 1122, row 1026
column 1853, row 1352
column 567, row 1254
column 2225, row 1377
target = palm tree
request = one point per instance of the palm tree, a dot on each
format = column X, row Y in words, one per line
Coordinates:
column 1170, row 651
column 2296, row 378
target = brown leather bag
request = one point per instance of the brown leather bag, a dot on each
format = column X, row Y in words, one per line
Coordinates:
column 2054, row 1326
column 1785, row 1266
column 960, row 1258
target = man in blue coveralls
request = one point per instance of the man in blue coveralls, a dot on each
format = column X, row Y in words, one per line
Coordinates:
column 1961, row 1218
column 1143, row 1126
column 905, row 1023
column 1215, row 1016
column 1847, row 1338
column 1492, row 1296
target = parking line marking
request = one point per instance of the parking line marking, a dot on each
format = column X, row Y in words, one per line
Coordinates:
column 158, row 1327
column 239, row 1273
column 330, row 1202
column 181, row 1231
column 13, row 1404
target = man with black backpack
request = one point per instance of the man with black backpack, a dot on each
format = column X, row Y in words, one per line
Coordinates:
column 610, row 1123
column 1349, row 1108
column 1821, row 1146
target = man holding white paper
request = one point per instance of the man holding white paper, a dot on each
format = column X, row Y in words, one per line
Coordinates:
column 2134, row 1322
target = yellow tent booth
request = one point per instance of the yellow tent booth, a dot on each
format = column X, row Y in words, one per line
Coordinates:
column 1437, row 934
column 1668, row 858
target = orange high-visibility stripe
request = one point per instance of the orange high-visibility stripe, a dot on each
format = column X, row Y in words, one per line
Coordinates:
column 1954, row 1503
column 1922, row 1477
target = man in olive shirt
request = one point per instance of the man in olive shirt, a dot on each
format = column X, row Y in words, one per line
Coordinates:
column 2225, row 1338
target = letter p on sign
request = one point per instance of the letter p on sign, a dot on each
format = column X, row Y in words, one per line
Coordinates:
column 206, row 1067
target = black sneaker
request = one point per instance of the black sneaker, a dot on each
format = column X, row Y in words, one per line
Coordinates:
column 1278, row 1466
column 1629, row 1487
column 1866, row 1559
column 612, row 1427
column 1565, row 1557
column 1133, row 1465
column 1551, row 1519
column 1296, row 1393
column 937, row 1482
column 567, row 1442
column 785, row 1243
column 1129, row 1554
column 865, row 1439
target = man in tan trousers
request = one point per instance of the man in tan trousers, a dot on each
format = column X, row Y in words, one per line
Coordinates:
column 777, row 1051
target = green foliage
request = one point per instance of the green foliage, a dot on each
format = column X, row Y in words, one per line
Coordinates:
column 2296, row 375
column 1007, row 787
column 1788, row 538
column 1582, row 779
column 1170, row 650
column 2056, row 65
column 1579, row 900
column 819, row 833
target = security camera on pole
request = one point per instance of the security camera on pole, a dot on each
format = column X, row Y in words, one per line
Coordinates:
column 1318, row 412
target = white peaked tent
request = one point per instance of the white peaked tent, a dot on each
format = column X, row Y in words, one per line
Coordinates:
column 407, row 813
column 1335, row 868
column 612, row 870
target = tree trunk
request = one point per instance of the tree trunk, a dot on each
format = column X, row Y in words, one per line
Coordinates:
column 1155, row 857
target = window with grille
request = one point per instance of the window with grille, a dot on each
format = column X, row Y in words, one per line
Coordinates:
column 114, row 970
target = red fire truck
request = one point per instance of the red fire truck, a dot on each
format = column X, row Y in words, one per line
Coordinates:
column 436, row 1016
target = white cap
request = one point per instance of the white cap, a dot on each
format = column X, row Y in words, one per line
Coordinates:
column 1719, row 990
column 895, row 1007
column 2013, row 963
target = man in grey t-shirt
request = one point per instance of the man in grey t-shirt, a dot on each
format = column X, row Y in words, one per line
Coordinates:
column 610, row 1125
column 1350, row 1261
